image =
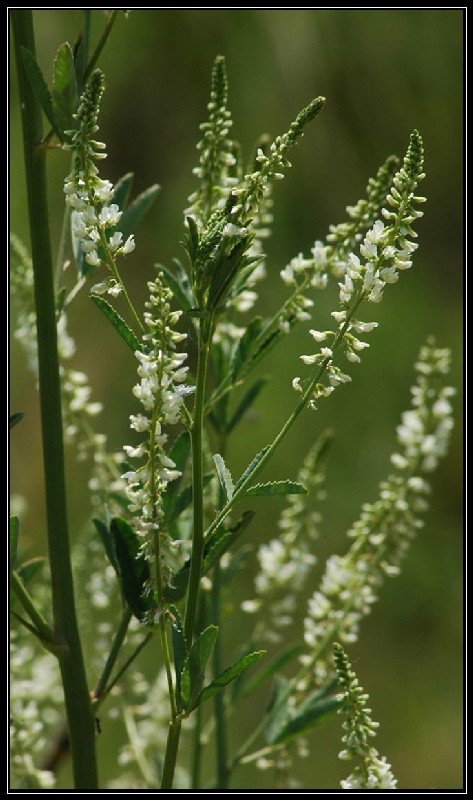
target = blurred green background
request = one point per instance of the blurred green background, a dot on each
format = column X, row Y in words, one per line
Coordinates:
column 383, row 72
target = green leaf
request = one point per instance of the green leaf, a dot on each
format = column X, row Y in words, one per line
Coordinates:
column 245, row 346
column 277, row 719
column 179, row 644
column 252, row 466
column 118, row 323
column 224, row 476
column 193, row 672
column 64, row 95
column 179, row 285
column 305, row 719
column 265, row 674
column 275, row 487
column 192, row 240
column 246, row 402
column 137, row 210
column 122, row 191
column 40, row 88
column 14, row 535
column 133, row 568
column 225, row 271
column 228, row 676
column 16, row 418
column 214, row 548
column 223, row 539
column 184, row 500
column 179, row 453
column 108, row 543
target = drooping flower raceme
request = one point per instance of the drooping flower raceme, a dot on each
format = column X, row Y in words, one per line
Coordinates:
column 95, row 219
column 373, row 771
column 161, row 392
column 382, row 534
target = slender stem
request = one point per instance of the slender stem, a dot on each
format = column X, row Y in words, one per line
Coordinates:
column 118, row 640
column 61, row 254
column 125, row 666
column 197, row 749
column 71, row 662
column 113, row 268
column 171, row 753
column 304, row 399
column 197, row 481
column 221, row 738
column 101, row 43
column 42, row 629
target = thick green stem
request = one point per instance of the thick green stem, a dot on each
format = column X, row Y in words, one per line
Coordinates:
column 172, row 747
column 197, row 749
column 197, row 482
column 78, row 707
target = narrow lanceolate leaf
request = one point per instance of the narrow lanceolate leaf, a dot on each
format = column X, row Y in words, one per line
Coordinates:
column 275, row 487
column 246, row 402
column 264, row 674
column 65, row 96
column 252, row 466
column 306, row 719
column 40, row 88
column 118, row 323
column 108, row 543
column 277, row 710
column 14, row 534
column 224, row 477
column 137, row 210
column 16, row 418
column 179, row 453
column 214, row 549
column 228, row 676
column 245, row 346
column 122, row 191
column 133, row 567
column 193, row 672
column 179, row 284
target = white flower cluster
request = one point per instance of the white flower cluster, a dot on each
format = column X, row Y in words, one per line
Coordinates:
column 385, row 250
column 88, row 195
column 383, row 532
column 161, row 392
column 286, row 561
column 35, row 711
column 374, row 772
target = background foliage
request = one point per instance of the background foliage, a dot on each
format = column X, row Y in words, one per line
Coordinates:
column 384, row 72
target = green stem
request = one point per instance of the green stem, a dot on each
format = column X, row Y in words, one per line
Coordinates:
column 42, row 629
column 172, row 747
column 125, row 666
column 221, row 739
column 304, row 399
column 197, row 481
column 100, row 690
column 101, row 43
column 78, row 708
column 197, row 749
column 110, row 261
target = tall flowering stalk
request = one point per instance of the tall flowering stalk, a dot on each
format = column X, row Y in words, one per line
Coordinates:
column 161, row 392
column 165, row 535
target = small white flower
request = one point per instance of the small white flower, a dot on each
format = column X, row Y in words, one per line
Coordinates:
column 309, row 359
column 93, row 259
column 319, row 336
